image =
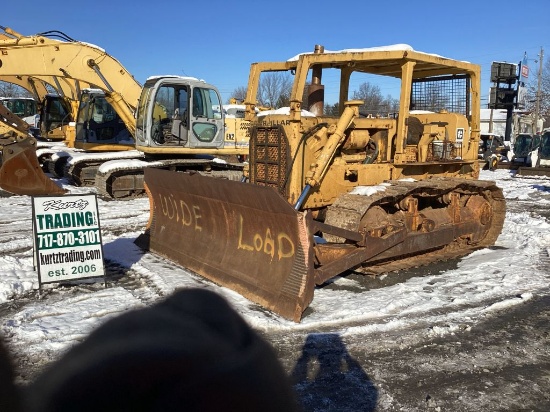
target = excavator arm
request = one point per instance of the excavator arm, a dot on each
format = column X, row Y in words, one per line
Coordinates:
column 70, row 65
column 20, row 172
column 47, row 88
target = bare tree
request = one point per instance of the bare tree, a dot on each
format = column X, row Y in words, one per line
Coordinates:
column 332, row 109
column 239, row 94
column 274, row 89
column 375, row 103
column 12, row 90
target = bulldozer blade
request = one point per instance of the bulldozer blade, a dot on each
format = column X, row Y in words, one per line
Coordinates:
column 245, row 237
column 533, row 171
column 21, row 173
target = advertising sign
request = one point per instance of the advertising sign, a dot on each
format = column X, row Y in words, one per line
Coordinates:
column 524, row 72
column 67, row 238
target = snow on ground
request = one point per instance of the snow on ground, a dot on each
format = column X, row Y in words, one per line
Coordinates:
column 483, row 282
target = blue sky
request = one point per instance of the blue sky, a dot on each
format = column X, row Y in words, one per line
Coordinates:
column 217, row 40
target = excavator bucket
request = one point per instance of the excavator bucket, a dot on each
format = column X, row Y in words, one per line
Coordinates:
column 21, row 173
column 245, row 237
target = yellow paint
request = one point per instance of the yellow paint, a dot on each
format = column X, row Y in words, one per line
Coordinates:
column 283, row 246
column 189, row 215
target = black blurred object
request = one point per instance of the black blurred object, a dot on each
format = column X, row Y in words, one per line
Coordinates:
column 9, row 394
column 191, row 352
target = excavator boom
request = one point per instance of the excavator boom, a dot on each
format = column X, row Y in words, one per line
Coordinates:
column 68, row 66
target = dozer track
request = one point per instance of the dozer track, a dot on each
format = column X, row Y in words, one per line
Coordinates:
column 250, row 239
column 350, row 208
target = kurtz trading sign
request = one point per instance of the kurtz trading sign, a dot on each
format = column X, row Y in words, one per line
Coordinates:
column 67, row 238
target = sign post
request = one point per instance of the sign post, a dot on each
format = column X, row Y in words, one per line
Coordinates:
column 67, row 238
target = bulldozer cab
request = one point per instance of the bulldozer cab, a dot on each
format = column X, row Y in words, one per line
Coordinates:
column 433, row 118
column 179, row 112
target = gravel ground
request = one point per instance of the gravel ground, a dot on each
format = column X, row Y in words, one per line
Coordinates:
column 500, row 364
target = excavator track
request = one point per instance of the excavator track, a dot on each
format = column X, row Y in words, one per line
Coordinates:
column 82, row 168
column 125, row 181
column 347, row 212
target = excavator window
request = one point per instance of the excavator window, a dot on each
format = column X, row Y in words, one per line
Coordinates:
column 56, row 113
column 21, row 107
column 182, row 105
column 206, row 104
column 170, row 115
column 141, row 115
column 198, row 105
column 103, row 112
column 166, row 98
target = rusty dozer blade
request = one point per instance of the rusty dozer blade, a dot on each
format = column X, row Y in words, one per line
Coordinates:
column 244, row 237
column 21, row 173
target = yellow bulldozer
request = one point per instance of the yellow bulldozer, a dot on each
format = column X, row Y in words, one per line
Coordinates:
column 326, row 194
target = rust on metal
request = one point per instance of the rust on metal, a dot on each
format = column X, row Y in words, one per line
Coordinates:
column 250, row 239
column 241, row 236
column 376, row 245
column 21, row 173
column 532, row 171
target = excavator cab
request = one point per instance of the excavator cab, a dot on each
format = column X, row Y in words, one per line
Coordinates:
column 98, row 125
column 56, row 115
column 25, row 108
column 179, row 114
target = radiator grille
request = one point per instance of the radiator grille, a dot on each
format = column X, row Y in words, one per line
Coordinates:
column 269, row 157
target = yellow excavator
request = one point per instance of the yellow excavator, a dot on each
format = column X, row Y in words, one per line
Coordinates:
column 328, row 194
column 179, row 123
column 58, row 99
column 20, row 172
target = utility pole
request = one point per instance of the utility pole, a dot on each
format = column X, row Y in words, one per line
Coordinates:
column 537, row 100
